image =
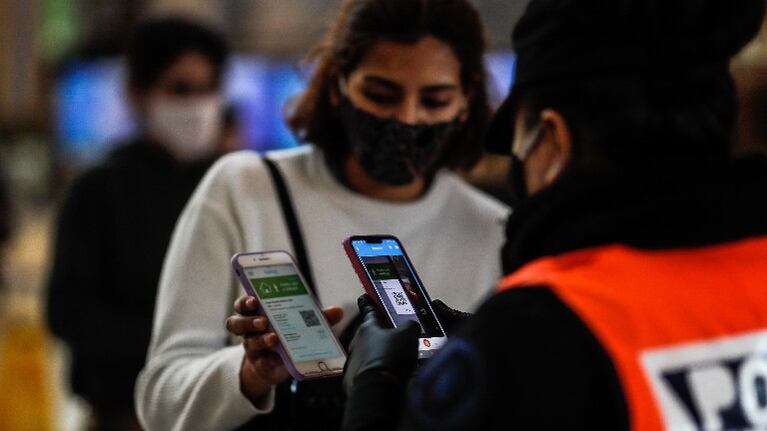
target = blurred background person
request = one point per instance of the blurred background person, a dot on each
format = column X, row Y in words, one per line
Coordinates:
column 117, row 219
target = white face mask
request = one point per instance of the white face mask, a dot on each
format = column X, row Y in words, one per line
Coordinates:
column 189, row 127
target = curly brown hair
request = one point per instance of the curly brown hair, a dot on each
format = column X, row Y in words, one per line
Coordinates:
column 363, row 23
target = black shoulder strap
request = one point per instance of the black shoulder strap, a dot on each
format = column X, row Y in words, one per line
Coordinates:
column 291, row 220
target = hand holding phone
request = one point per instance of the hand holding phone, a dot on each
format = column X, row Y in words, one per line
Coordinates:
column 389, row 278
column 288, row 332
column 392, row 350
column 263, row 366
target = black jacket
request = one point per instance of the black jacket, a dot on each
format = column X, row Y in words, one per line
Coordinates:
column 525, row 360
column 113, row 230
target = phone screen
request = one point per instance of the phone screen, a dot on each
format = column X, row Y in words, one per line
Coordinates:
column 398, row 289
column 293, row 313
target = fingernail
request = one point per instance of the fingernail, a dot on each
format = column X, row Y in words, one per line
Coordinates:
column 251, row 302
column 256, row 322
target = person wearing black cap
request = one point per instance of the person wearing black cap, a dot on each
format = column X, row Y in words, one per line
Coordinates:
column 636, row 257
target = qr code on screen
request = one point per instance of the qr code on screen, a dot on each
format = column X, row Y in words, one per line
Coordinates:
column 310, row 318
column 399, row 298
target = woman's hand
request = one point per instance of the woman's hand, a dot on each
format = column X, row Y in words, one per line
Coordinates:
column 262, row 366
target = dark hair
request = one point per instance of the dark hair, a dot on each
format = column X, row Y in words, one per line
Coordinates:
column 363, row 23
column 157, row 43
column 622, row 119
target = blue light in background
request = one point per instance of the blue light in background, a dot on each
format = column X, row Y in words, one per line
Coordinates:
column 91, row 109
column 260, row 90
column 245, row 88
column 501, row 67
column 286, row 83
column 92, row 113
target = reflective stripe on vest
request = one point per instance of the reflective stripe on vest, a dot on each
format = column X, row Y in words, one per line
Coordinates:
column 686, row 329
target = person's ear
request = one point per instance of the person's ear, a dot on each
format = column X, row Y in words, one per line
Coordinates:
column 557, row 132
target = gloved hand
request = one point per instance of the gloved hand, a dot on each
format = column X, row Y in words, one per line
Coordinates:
column 392, row 351
column 450, row 318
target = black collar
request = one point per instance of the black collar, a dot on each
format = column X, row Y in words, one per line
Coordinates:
column 658, row 206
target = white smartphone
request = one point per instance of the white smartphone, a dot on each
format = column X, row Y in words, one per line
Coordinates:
column 308, row 346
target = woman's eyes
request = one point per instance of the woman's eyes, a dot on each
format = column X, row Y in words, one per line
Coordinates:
column 435, row 103
column 381, row 99
column 387, row 100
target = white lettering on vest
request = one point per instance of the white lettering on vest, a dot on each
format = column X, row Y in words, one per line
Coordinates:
column 718, row 384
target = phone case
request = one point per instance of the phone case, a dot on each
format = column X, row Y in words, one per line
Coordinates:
column 368, row 286
column 239, row 271
column 363, row 276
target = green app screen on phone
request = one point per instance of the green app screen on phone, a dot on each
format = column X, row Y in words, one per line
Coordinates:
column 292, row 312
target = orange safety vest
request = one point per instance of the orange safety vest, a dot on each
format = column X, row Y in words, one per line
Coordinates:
column 686, row 329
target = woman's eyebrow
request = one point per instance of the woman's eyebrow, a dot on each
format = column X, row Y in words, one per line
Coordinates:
column 431, row 88
column 377, row 80
column 435, row 88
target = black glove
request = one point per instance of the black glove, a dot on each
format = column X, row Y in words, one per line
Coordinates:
column 450, row 318
column 390, row 351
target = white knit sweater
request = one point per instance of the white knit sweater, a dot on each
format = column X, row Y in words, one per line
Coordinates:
column 191, row 379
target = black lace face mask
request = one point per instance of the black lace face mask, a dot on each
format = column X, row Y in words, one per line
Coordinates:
column 393, row 152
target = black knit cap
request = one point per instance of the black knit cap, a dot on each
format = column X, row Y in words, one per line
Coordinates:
column 666, row 42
